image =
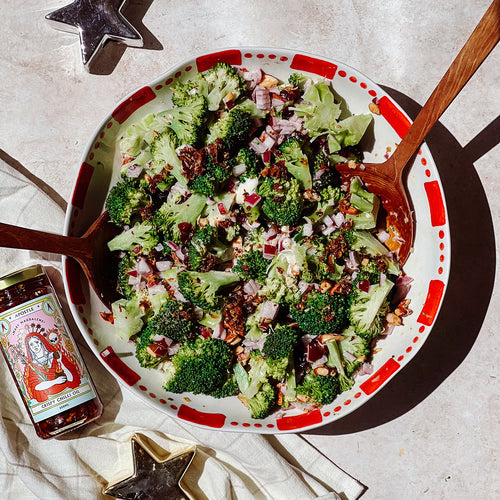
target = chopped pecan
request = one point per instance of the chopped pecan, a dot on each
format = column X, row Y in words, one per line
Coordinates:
column 337, row 246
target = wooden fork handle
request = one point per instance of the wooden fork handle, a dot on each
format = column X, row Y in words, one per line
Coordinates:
column 30, row 239
column 481, row 42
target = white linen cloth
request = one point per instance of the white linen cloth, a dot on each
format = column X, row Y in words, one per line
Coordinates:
column 78, row 465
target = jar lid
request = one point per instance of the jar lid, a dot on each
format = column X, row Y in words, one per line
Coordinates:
column 20, row 276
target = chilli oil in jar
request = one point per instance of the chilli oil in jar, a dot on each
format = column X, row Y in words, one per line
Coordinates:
column 42, row 355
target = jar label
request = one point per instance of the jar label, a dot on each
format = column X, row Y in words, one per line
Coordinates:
column 43, row 358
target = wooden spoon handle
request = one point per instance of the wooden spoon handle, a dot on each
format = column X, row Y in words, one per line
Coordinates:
column 30, row 239
column 482, row 40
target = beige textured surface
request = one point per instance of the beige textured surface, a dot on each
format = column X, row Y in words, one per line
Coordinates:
column 433, row 432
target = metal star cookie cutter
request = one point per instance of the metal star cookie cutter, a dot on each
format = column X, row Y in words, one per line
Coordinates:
column 96, row 22
column 157, row 474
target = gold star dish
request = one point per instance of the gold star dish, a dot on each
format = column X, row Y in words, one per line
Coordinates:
column 156, row 475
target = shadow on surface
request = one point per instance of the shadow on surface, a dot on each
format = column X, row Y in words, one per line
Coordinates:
column 470, row 286
column 133, row 11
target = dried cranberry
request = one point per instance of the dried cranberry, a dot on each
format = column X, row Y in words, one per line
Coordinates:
column 186, row 231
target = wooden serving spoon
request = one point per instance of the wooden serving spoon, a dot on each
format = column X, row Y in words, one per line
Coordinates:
column 90, row 250
column 386, row 179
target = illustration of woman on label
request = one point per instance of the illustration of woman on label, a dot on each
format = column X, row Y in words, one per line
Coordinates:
column 47, row 370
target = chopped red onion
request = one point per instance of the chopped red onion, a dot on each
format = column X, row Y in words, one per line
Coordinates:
column 339, row 218
column 250, row 227
column 251, row 287
column 252, row 78
column 269, row 251
column 173, row 349
column 383, row 277
column 266, row 156
column 156, row 288
column 269, row 141
column 350, row 357
column 403, row 286
column 219, row 332
column 164, row 265
column 143, row 267
column 269, row 310
column 328, row 221
column 163, row 339
column 383, row 236
column 239, row 169
column 173, row 245
column 319, row 173
column 269, row 233
column 252, row 199
column 134, row 171
column 262, row 98
column 134, row 280
column 258, row 146
column 352, row 262
column 366, row 369
column 307, row 229
column 328, row 230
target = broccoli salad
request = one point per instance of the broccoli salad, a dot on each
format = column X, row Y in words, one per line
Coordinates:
column 246, row 267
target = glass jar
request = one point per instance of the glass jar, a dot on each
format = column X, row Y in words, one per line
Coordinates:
column 42, row 355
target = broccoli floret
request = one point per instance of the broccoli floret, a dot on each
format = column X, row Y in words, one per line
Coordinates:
column 126, row 264
column 329, row 177
column 213, row 178
column 200, row 366
column 284, row 273
column 322, row 389
column 252, row 266
column 201, row 288
column 174, row 320
column 171, row 214
column 297, row 80
column 183, row 92
column 263, row 402
column 367, row 309
column 125, row 201
column 366, row 242
column 224, row 84
column 355, row 346
column 283, row 202
column 322, row 313
column 163, row 150
column 369, row 273
column 296, row 161
column 142, row 234
column 188, row 121
column 319, row 264
column 233, row 129
column 198, row 247
column 336, row 360
column 249, row 158
column 287, row 268
column 230, row 388
column 325, row 206
column 279, row 342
